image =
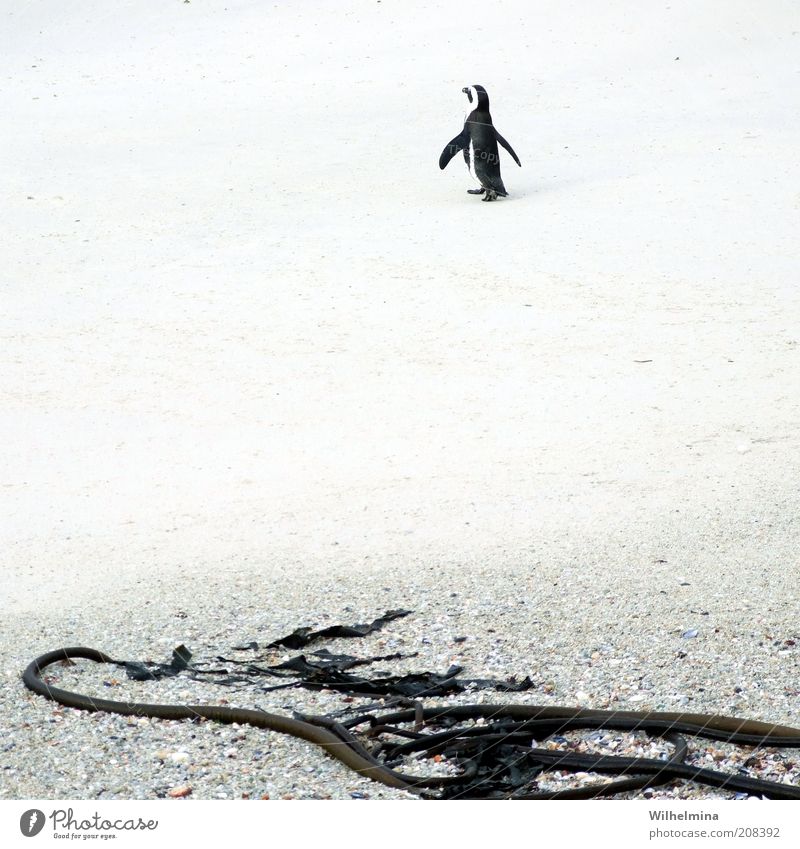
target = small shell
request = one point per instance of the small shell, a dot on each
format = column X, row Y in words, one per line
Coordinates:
column 179, row 792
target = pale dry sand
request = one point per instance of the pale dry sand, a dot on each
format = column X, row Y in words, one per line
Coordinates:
column 263, row 361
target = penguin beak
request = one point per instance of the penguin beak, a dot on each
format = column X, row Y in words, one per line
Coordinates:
column 468, row 93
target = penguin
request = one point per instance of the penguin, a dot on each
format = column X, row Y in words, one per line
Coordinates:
column 479, row 140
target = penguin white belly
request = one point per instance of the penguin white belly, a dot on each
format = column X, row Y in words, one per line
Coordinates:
column 472, row 161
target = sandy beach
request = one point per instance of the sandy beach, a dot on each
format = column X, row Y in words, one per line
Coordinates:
column 265, row 365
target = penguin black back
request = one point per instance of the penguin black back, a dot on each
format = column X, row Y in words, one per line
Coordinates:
column 478, row 140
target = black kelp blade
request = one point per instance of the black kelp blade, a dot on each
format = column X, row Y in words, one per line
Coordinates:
column 148, row 671
column 301, row 637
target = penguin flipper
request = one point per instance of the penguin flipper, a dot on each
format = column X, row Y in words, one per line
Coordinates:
column 508, row 147
column 460, row 142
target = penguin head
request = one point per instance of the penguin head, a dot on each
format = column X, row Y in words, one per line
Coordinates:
column 477, row 96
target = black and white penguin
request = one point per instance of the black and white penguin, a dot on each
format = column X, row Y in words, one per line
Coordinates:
column 479, row 140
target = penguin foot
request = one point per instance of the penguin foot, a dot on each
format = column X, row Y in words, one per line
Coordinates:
column 490, row 195
column 479, row 191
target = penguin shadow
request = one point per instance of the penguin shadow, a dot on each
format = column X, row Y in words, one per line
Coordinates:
column 530, row 191
column 543, row 187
